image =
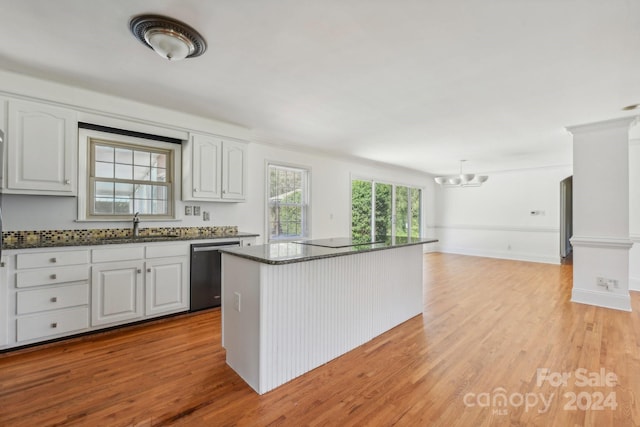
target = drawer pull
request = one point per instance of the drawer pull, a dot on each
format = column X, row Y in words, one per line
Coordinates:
column 148, row 270
column 139, row 271
column 67, row 181
column 53, row 277
column 54, row 299
column 54, row 325
column 53, row 260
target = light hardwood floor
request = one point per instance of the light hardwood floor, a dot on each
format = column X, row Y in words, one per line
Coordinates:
column 488, row 327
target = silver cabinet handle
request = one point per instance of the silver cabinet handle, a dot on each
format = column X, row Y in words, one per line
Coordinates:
column 67, row 181
column 2, row 264
column 54, row 299
column 148, row 270
column 54, row 325
column 53, row 260
column 195, row 190
column 53, row 277
column 139, row 271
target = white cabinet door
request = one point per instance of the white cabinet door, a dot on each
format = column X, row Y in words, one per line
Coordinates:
column 116, row 292
column 166, row 283
column 204, row 178
column 234, row 170
column 3, row 146
column 41, row 149
column 4, row 302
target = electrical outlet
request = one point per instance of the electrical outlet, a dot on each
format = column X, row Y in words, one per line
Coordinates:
column 205, row 216
column 236, row 301
column 187, row 210
column 608, row 284
column 196, row 210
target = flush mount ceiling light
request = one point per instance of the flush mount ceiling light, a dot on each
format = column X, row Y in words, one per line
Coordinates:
column 461, row 180
column 169, row 38
column 631, row 107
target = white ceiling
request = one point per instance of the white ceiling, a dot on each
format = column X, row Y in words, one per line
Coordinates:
column 417, row 83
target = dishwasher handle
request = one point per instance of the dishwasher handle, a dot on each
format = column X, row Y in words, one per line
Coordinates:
column 214, row 247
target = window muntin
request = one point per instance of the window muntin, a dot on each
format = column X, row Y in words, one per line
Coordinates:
column 128, row 178
column 287, row 202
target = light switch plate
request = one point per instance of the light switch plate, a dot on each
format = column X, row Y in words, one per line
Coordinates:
column 196, row 210
column 187, row 210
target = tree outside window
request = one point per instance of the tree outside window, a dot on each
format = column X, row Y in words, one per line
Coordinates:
column 380, row 210
column 287, row 202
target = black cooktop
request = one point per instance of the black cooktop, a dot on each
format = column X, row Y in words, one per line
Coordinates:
column 338, row 242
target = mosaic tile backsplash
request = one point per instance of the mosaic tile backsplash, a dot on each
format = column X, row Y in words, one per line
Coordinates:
column 19, row 238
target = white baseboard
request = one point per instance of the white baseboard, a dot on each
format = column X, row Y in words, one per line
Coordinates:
column 515, row 256
column 634, row 283
column 602, row 299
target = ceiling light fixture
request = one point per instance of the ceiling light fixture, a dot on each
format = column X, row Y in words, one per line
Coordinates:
column 631, row 107
column 168, row 37
column 461, row 180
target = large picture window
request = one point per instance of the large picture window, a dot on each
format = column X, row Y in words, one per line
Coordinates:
column 128, row 175
column 287, row 202
column 379, row 210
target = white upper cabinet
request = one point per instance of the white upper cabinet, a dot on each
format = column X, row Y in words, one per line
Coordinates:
column 234, row 170
column 206, row 158
column 214, row 169
column 41, row 149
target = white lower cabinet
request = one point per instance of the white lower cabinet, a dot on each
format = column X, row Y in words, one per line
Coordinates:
column 48, row 294
column 4, row 306
column 138, row 281
column 116, row 292
column 48, row 325
column 166, row 285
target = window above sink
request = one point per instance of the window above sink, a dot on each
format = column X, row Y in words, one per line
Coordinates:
column 127, row 174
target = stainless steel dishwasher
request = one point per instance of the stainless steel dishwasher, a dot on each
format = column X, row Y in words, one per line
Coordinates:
column 206, row 274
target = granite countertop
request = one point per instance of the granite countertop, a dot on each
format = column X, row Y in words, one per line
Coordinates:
column 299, row 251
column 97, row 241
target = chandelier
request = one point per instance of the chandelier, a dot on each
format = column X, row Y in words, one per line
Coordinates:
column 461, row 180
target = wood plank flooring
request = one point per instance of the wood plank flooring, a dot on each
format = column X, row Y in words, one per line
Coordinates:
column 471, row 359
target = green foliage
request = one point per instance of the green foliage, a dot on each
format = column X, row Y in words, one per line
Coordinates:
column 361, row 209
column 287, row 211
column 383, row 210
column 407, row 205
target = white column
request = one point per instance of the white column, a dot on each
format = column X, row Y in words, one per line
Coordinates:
column 601, row 240
column 634, row 207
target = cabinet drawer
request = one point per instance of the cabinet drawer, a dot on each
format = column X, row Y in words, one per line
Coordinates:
column 127, row 253
column 162, row 251
column 52, row 298
column 51, row 259
column 52, row 323
column 51, row 276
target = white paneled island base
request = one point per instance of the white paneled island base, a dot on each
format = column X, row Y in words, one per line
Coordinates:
column 280, row 320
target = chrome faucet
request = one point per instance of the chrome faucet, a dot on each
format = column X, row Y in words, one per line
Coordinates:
column 136, row 223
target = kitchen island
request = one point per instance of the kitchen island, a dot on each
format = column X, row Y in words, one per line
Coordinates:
column 288, row 308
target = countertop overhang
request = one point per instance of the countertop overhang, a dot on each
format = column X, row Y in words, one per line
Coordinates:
column 300, row 251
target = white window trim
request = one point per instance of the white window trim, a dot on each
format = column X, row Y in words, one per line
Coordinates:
column 307, row 223
column 84, row 135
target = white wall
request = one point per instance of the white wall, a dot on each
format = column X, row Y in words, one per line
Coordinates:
column 494, row 220
column 330, row 175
